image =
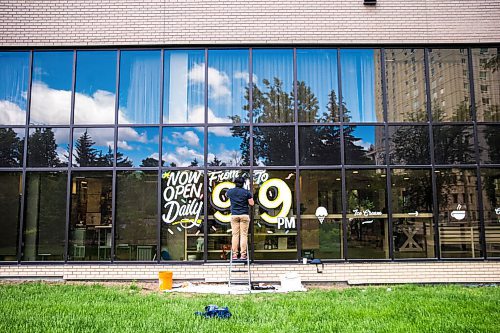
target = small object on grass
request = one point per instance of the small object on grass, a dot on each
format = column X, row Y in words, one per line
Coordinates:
column 213, row 311
column 389, row 289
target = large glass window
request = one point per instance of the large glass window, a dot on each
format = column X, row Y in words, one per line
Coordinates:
column 275, row 227
column 367, row 226
column 321, row 214
column 219, row 216
column 364, row 145
column 48, row 147
column 182, row 215
column 228, row 146
column 412, row 222
column 51, row 88
column 93, row 147
column 95, row 87
column 140, row 77
column 14, row 74
column 486, row 67
column 319, row 145
column 317, row 85
column 184, row 87
column 489, row 143
column 409, row 145
column 10, row 202
column 458, row 213
column 138, row 147
column 228, row 82
column 91, row 216
column 273, row 100
column 405, row 75
column 361, row 85
column 491, row 203
column 274, row 145
column 449, row 84
column 453, row 144
column 11, row 147
column 183, row 146
column 45, row 216
column 136, row 215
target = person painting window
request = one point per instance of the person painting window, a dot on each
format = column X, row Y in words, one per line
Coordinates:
column 240, row 198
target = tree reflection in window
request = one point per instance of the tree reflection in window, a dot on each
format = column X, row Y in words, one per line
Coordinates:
column 88, row 153
column 11, row 147
column 48, row 147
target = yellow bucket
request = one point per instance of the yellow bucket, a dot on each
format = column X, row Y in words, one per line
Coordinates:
column 165, row 280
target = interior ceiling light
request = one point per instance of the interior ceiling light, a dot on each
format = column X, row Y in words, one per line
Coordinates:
column 369, row 2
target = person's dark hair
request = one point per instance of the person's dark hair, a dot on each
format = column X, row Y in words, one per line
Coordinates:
column 239, row 181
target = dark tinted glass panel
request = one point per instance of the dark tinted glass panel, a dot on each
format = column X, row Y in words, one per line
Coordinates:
column 367, row 214
column 364, row 145
column 412, row 222
column 184, row 87
column 11, row 147
column 228, row 80
column 14, row 71
column 486, row 67
column 138, row 147
column 91, row 216
column 95, row 87
column 275, row 226
column 489, row 143
column 228, row 146
column 48, row 147
column 10, row 201
column 93, row 147
column 449, row 84
column 183, row 146
column 409, row 145
column 458, row 213
column 453, row 144
column 140, row 77
column 273, row 86
column 490, row 180
column 136, row 215
column 321, row 214
column 361, row 85
column 274, row 145
column 219, row 216
column 182, row 214
column 317, row 85
column 405, row 74
column 51, row 88
column 319, row 145
column 45, row 216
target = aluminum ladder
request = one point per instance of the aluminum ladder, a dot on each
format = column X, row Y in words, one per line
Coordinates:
column 238, row 267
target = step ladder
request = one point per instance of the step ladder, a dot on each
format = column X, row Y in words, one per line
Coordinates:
column 236, row 268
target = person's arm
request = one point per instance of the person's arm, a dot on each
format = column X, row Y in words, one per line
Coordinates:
column 250, row 198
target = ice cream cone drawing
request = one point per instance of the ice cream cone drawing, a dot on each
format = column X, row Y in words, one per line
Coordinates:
column 321, row 214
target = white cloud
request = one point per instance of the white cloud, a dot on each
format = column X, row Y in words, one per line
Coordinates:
column 49, row 106
column 220, row 131
column 188, row 137
column 11, row 114
column 245, row 76
column 230, row 157
column 182, row 156
column 197, row 115
column 218, row 82
column 124, row 145
column 96, row 109
column 365, row 145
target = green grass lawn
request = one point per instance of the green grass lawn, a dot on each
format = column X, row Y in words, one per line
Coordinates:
column 41, row 307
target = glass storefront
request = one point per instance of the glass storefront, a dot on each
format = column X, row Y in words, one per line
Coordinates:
column 351, row 154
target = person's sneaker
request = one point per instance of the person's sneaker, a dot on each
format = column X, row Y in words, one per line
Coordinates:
column 243, row 258
column 235, row 257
